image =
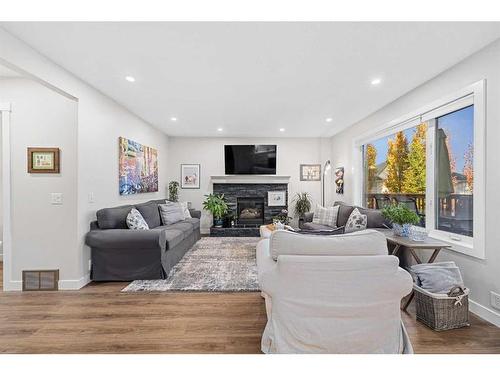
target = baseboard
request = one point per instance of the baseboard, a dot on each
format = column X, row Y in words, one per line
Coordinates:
column 485, row 313
column 74, row 284
column 15, row 286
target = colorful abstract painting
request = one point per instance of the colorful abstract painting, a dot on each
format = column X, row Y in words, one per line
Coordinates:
column 138, row 168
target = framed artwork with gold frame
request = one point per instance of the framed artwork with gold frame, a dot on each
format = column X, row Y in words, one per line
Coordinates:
column 43, row 160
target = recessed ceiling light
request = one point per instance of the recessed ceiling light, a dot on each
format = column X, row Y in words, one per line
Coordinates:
column 282, row 129
column 174, row 119
column 376, row 81
column 329, row 119
column 219, row 129
column 130, row 78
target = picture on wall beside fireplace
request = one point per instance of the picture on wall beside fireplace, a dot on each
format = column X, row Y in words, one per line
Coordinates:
column 190, row 176
column 276, row 198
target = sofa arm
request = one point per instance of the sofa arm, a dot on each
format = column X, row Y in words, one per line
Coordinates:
column 195, row 213
column 126, row 239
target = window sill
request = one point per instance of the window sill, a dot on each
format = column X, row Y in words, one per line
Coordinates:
column 463, row 247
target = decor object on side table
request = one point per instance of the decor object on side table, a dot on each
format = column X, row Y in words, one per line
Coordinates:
column 217, row 206
column 138, row 166
column 190, row 176
column 418, row 234
column 173, row 191
column 302, row 203
column 310, row 172
column 339, row 180
column 43, row 160
column 282, row 219
column 276, row 198
column 401, row 217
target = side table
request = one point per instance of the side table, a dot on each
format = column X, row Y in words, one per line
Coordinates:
column 409, row 245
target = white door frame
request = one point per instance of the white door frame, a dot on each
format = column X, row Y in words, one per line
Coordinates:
column 5, row 110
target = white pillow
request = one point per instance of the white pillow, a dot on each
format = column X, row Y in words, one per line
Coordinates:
column 171, row 212
column 136, row 221
column 187, row 214
column 357, row 221
column 326, row 215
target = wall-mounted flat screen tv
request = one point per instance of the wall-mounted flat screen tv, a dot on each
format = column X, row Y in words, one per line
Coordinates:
column 250, row 159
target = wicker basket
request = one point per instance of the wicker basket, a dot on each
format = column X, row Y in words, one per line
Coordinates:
column 441, row 312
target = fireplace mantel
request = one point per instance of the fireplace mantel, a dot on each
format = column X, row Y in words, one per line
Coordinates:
column 250, row 179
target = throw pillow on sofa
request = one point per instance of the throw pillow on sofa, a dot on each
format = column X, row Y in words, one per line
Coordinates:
column 136, row 221
column 171, row 212
column 357, row 221
column 326, row 215
column 185, row 209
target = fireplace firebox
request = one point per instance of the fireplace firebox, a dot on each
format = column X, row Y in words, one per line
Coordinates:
column 250, row 210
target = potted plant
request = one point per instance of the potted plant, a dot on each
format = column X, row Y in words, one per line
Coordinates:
column 282, row 217
column 173, row 191
column 216, row 204
column 401, row 217
column 302, row 203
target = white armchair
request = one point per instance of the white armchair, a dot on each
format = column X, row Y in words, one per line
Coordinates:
column 332, row 294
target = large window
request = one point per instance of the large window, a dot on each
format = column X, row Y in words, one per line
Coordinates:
column 430, row 163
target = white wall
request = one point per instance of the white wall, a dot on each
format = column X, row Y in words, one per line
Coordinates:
column 42, row 233
column 209, row 152
column 481, row 276
column 100, row 122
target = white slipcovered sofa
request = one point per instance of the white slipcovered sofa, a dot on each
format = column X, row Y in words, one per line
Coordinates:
column 332, row 294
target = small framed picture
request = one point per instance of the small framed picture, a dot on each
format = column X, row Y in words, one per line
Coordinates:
column 190, row 176
column 276, row 198
column 310, row 172
column 339, row 180
column 43, row 160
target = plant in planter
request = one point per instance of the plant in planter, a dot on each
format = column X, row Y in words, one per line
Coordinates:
column 282, row 217
column 402, row 219
column 217, row 205
column 302, row 203
column 173, row 191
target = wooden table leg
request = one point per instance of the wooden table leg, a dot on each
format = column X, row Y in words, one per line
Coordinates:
column 417, row 259
column 434, row 255
column 408, row 301
column 396, row 249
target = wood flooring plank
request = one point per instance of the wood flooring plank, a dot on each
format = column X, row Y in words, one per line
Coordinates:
column 101, row 319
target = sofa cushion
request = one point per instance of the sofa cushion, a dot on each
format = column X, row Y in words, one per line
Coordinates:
column 366, row 242
column 150, row 213
column 314, row 226
column 113, row 218
column 185, row 227
column 171, row 212
column 174, row 237
column 195, row 222
column 344, row 213
column 375, row 218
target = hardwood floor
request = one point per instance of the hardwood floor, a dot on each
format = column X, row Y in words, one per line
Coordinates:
column 100, row 319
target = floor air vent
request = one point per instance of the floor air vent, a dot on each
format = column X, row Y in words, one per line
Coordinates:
column 40, row 280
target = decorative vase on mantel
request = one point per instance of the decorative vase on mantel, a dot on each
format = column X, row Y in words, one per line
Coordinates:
column 401, row 230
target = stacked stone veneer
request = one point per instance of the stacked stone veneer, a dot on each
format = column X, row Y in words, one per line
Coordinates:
column 233, row 191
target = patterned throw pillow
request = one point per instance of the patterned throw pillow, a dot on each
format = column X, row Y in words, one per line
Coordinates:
column 357, row 221
column 187, row 214
column 136, row 221
column 326, row 215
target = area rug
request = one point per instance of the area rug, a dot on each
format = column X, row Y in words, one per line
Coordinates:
column 214, row 264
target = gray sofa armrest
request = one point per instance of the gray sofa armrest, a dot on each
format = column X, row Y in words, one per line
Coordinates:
column 195, row 213
column 308, row 217
column 126, row 239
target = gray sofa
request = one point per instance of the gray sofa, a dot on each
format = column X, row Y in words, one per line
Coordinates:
column 122, row 254
column 374, row 218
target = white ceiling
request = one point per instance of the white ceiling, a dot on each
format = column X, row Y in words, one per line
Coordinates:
column 8, row 73
column 253, row 78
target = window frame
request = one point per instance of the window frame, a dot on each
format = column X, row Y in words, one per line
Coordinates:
column 473, row 94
